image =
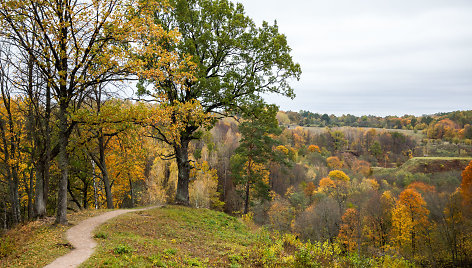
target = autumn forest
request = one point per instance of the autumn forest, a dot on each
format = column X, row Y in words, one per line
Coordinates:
column 196, row 132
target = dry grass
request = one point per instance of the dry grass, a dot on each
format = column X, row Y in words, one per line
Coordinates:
column 38, row 243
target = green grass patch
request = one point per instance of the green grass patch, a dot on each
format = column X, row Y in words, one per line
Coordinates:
column 172, row 237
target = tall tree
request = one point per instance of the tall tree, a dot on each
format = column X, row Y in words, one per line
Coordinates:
column 256, row 149
column 409, row 221
column 233, row 62
column 9, row 133
column 466, row 187
column 79, row 44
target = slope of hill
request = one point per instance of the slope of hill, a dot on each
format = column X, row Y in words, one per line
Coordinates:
column 436, row 164
column 442, row 172
column 185, row 237
column 38, row 243
column 171, row 236
column 179, row 237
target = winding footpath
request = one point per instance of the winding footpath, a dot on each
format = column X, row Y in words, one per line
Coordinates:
column 81, row 238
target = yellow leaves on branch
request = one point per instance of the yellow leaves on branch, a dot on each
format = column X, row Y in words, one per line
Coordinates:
column 172, row 119
column 338, row 175
column 409, row 220
column 282, row 149
column 326, row 183
column 203, row 188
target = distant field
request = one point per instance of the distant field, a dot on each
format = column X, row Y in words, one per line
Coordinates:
column 418, row 135
column 430, row 165
column 436, row 164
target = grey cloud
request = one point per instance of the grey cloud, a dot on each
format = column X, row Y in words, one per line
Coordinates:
column 376, row 56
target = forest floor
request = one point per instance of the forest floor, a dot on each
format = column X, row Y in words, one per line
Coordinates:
column 81, row 239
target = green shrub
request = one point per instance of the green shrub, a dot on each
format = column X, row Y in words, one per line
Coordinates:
column 122, row 249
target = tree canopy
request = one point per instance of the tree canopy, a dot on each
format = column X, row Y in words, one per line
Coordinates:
column 233, row 63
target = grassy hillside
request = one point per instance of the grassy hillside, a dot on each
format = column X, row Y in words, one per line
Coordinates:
column 436, row 164
column 185, row 237
column 442, row 172
column 38, row 243
column 171, row 236
column 179, row 237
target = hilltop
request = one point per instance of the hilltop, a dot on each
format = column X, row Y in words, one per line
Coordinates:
column 175, row 236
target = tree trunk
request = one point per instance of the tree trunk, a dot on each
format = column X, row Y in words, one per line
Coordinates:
column 85, row 196
column 61, row 216
column 95, row 193
column 15, row 200
column 131, row 190
column 39, row 204
column 42, row 169
column 248, row 185
column 103, row 168
column 246, row 200
column 181, row 154
column 30, row 196
column 11, row 175
column 73, row 196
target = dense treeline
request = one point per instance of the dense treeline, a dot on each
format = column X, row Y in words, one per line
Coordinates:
column 452, row 126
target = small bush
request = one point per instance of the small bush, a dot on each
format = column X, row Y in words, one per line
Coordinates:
column 122, row 249
column 170, row 251
column 100, row 235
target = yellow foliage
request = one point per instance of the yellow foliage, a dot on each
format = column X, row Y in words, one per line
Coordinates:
column 409, row 221
column 370, row 184
column 334, row 162
column 282, row 149
column 338, row 175
column 326, row 183
column 203, row 188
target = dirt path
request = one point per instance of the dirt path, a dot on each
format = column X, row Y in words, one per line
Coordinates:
column 80, row 237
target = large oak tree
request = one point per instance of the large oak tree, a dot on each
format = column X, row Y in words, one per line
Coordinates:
column 234, row 62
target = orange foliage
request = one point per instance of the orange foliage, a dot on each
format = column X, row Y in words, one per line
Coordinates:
column 466, row 186
column 309, row 189
column 326, row 183
column 314, row 148
column 349, row 231
column 334, row 162
column 421, row 186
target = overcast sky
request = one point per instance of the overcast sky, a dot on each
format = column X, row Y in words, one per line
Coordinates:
column 380, row 57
